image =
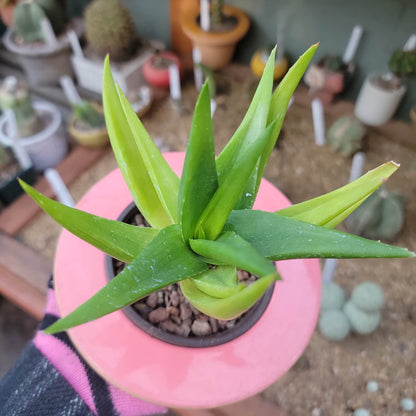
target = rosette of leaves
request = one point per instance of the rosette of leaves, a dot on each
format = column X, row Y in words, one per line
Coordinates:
column 203, row 227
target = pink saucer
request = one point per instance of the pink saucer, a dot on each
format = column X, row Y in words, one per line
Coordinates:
column 175, row 376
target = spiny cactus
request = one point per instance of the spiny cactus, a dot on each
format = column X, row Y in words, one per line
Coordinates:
column 216, row 11
column 380, row 217
column 346, row 135
column 403, row 63
column 85, row 112
column 333, row 63
column 109, row 28
column 28, row 15
column 14, row 95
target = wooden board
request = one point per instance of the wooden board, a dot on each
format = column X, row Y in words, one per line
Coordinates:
column 24, row 275
column 24, row 209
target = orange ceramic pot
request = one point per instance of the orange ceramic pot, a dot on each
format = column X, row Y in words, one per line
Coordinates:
column 217, row 48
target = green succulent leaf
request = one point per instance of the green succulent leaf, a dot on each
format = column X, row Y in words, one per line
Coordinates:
column 220, row 282
column 199, row 176
column 332, row 208
column 152, row 183
column 278, row 238
column 278, row 107
column 232, row 306
column 232, row 249
column 119, row 240
column 164, row 261
column 221, row 204
column 250, row 129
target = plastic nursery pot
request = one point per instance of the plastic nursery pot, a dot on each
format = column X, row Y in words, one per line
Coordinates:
column 10, row 189
column 156, row 68
column 241, row 327
column 42, row 63
column 258, row 63
column 217, row 48
column 376, row 104
column 171, row 375
column 93, row 137
column 47, row 147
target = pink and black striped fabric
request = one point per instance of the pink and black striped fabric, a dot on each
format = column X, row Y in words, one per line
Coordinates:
column 51, row 378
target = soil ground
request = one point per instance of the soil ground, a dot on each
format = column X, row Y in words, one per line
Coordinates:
column 330, row 378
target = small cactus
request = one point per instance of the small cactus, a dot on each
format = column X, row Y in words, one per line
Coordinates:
column 332, row 297
column 334, row 325
column 28, row 15
column 403, row 63
column 346, row 135
column 380, row 217
column 14, row 95
column 109, row 28
column 333, row 63
column 368, row 296
column 86, row 113
column 361, row 321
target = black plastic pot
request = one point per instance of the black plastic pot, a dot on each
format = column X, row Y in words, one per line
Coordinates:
column 10, row 190
column 241, row 326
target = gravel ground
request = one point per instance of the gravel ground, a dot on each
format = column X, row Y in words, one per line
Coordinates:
column 330, row 378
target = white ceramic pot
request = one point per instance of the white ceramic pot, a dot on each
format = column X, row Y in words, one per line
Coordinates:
column 47, row 147
column 128, row 75
column 376, row 105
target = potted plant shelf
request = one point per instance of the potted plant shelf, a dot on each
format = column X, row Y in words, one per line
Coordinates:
column 198, row 231
column 217, row 45
column 109, row 28
column 44, row 54
column 381, row 94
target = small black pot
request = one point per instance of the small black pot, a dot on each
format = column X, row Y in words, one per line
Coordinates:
column 10, row 189
column 242, row 326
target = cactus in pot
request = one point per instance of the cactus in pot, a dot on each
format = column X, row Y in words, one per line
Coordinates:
column 109, row 28
column 29, row 14
column 88, row 114
column 14, row 95
column 202, row 226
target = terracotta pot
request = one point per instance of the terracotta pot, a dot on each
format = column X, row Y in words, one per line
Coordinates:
column 94, row 137
column 181, row 377
column 216, row 48
column 159, row 76
column 6, row 13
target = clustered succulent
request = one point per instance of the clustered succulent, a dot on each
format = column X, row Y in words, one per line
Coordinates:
column 203, row 227
column 361, row 312
column 403, row 63
column 109, row 28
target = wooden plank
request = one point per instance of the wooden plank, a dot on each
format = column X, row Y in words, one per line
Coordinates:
column 396, row 130
column 24, row 275
column 24, row 209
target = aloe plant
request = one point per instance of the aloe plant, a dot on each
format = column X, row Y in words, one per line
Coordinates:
column 203, row 227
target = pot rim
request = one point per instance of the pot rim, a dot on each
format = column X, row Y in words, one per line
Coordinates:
column 181, row 377
column 396, row 91
column 241, row 327
column 47, row 131
column 194, row 31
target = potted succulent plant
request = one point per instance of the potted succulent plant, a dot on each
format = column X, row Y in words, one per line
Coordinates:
column 228, row 25
column 44, row 54
column 201, row 231
column 329, row 76
column 109, row 28
column 156, row 68
column 87, row 124
column 381, row 94
column 38, row 125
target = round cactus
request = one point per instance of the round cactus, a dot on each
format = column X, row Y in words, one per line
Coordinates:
column 109, row 28
column 380, row 217
column 368, row 297
column 334, row 325
column 346, row 135
column 361, row 321
column 28, row 15
column 332, row 297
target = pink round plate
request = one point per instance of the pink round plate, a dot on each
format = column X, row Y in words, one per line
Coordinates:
column 176, row 376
